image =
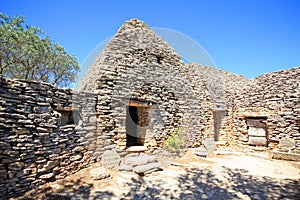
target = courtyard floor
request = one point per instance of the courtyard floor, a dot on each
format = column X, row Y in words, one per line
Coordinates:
column 233, row 175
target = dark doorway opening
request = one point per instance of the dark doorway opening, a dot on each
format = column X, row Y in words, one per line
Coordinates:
column 132, row 121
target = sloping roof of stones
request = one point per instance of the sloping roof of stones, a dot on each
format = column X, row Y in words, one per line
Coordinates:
column 136, row 44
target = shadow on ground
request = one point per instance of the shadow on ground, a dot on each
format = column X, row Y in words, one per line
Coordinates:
column 71, row 190
column 194, row 184
column 204, row 184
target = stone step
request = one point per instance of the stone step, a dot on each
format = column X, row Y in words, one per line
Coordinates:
column 135, row 149
column 141, row 164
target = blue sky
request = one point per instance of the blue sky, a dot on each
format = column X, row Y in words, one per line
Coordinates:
column 245, row 37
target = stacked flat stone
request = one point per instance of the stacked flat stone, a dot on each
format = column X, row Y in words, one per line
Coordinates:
column 274, row 96
column 141, row 164
column 136, row 68
column 139, row 66
column 34, row 146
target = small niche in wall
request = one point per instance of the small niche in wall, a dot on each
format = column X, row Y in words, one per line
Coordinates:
column 68, row 116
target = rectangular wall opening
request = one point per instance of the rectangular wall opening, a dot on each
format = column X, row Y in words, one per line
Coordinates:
column 257, row 131
column 136, row 124
column 67, row 116
column 218, row 116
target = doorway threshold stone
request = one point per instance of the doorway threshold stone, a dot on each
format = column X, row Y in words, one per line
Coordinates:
column 136, row 149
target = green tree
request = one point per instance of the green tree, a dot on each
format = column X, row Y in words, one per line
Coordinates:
column 26, row 53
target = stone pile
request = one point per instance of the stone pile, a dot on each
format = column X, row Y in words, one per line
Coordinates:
column 142, row 164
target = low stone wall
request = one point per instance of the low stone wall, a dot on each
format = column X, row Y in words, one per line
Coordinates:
column 275, row 100
column 46, row 133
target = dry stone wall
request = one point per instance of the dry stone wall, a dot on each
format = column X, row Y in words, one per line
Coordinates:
column 46, row 133
column 218, row 89
column 138, row 65
column 275, row 99
column 138, row 68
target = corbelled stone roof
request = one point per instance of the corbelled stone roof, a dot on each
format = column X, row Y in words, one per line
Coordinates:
column 135, row 44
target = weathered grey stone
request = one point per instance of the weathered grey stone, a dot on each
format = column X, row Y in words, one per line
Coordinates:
column 141, row 169
column 201, row 151
column 209, row 144
column 286, row 144
column 110, row 158
column 125, row 168
column 3, row 174
column 136, row 149
column 76, row 157
column 140, row 160
column 47, row 166
column 99, row 173
column 286, row 156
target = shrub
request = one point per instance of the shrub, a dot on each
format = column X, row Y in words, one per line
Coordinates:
column 176, row 140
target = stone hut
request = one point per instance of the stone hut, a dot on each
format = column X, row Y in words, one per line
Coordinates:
column 145, row 91
column 267, row 109
column 136, row 93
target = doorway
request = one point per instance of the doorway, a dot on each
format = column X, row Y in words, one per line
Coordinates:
column 137, row 121
column 132, row 120
column 218, row 116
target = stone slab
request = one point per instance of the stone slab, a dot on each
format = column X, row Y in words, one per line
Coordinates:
column 144, row 168
column 125, row 168
column 209, row 143
column 201, row 151
column 254, row 131
column 110, row 158
column 286, row 156
column 259, row 141
column 140, row 160
column 99, row 173
column 137, row 149
column 286, row 143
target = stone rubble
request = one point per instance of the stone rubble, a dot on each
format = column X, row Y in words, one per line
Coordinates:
column 141, row 164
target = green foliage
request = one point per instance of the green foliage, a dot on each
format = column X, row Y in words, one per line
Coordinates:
column 176, row 140
column 26, row 53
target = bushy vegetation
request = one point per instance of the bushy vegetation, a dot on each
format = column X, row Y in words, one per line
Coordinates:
column 176, row 140
column 27, row 53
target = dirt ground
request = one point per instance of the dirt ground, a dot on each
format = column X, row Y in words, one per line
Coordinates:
column 229, row 176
